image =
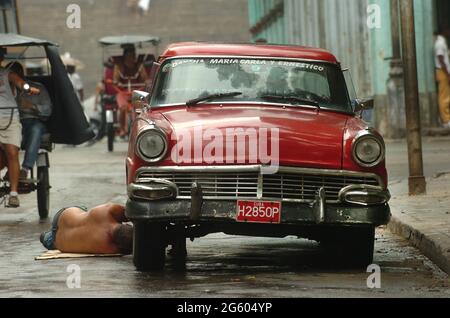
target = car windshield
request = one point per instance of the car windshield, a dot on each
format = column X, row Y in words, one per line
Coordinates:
column 296, row 83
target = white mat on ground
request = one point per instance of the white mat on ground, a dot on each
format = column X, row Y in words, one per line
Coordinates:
column 59, row 255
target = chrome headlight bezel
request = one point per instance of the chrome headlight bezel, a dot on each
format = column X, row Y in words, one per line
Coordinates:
column 162, row 155
column 364, row 136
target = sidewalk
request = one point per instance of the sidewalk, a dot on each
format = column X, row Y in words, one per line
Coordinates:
column 424, row 220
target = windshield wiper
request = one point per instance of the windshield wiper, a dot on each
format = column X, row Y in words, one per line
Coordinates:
column 291, row 99
column 195, row 101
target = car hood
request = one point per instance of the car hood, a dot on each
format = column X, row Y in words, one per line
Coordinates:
column 307, row 137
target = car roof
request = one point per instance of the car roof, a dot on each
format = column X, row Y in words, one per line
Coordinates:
column 128, row 39
column 13, row 40
column 247, row 49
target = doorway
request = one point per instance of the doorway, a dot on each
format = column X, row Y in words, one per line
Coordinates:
column 442, row 13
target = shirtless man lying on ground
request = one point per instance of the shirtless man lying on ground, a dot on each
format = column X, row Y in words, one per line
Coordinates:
column 101, row 230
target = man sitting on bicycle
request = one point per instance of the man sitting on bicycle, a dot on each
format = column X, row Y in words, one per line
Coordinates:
column 129, row 74
column 34, row 112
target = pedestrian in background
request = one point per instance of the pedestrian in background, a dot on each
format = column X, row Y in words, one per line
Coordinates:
column 442, row 61
column 72, row 65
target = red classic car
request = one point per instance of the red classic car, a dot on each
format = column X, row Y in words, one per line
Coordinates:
column 260, row 140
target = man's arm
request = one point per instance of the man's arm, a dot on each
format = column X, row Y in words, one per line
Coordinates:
column 144, row 75
column 99, row 89
column 116, row 78
column 443, row 65
column 19, row 82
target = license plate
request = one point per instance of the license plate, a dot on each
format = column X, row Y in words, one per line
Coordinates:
column 258, row 212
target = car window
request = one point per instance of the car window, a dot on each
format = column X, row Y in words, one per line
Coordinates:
column 181, row 80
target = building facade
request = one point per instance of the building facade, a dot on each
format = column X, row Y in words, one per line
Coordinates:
column 359, row 33
column 8, row 17
column 170, row 20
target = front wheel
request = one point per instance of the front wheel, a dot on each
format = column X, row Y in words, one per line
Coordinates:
column 110, row 134
column 43, row 192
column 349, row 246
column 149, row 246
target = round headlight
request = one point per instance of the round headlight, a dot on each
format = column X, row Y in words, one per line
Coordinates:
column 368, row 151
column 152, row 145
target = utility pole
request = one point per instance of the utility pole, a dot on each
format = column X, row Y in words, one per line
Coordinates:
column 417, row 182
column 395, row 30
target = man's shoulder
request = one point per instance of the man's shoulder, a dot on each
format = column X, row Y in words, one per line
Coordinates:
column 440, row 48
column 441, row 42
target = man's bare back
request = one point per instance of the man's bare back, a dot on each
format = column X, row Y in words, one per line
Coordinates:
column 98, row 231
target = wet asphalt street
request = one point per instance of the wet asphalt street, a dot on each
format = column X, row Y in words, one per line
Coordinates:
column 217, row 266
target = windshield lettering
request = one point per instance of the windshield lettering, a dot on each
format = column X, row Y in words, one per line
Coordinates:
column 297, row 83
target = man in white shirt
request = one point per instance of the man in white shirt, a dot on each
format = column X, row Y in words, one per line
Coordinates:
column 442, row 61
column 77, row 83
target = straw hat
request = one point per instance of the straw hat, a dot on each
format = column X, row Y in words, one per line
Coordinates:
column 68, row 60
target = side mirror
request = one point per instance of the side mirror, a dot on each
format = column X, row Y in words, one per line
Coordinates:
column 364, row 104
column 139, row 100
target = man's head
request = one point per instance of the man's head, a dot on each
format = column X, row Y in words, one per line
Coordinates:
column 16, row 68
column 129, row 54
column 123, row 238
column 443, row 30
column 71, row 69
column 3, row 52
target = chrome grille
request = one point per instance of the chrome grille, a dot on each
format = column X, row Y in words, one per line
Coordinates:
column 303, row 187
column 287, row 186
column 216, row 185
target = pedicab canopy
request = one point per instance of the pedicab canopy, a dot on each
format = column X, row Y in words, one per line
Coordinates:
column 124, row 40
column 68, row 123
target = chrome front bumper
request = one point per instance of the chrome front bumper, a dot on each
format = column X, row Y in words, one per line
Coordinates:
column 182, row 211
column 198, row 210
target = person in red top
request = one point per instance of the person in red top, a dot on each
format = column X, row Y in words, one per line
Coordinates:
column 129, row 75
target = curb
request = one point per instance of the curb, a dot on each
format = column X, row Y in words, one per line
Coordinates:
column 436, row 132
column 429, row 247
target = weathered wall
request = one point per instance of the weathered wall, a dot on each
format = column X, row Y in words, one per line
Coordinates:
column 341, row 27
column 171, row 20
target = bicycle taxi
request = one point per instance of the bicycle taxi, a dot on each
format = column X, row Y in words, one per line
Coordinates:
column 66, row 124
column 113, row 46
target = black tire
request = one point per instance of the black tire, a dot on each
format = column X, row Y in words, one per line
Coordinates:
column 149, row 246
column 349, row 246
column 179, row 250
column 110, row 132
column 43, row 192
